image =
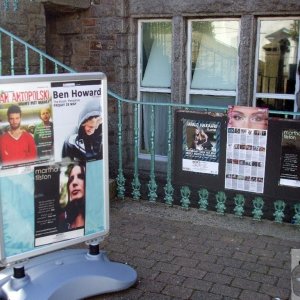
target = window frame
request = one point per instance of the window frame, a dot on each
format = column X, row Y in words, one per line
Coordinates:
column 141, row 89
column 275, row 96
column 203, row 92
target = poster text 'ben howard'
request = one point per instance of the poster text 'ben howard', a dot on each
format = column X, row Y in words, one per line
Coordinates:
column 76, row 93
column 26, row 96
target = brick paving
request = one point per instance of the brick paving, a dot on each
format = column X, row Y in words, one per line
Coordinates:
column 189, row 254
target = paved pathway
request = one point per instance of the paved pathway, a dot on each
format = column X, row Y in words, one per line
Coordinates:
column 181, row 254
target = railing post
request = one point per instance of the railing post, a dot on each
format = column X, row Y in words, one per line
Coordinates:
column 6, row 4
column 41, row 64
column 152, row 186
column 26, row 61
column 16, row 5
column 120, row 177
column 168, row 187
column 12, row 57
column 136, row 185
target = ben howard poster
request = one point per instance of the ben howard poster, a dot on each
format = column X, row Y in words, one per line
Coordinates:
column 290, row 158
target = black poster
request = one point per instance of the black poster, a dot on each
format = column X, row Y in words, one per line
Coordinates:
column 46, row 195
column 59, row 200
column 290, row 158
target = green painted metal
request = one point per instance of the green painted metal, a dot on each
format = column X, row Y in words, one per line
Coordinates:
column 239, row 201
column 221, row 200
column 12, row 57
column 41, row 64
column 26, row 61
column 169, row 190
column 6, row 5
column 296, row 217
column 43, row 56
column 279, row 207
column 136, row 185
column 185, row 197
column 257, row 212
column 16, row 5
column 120, row 178
column 152, row 186
column 203, row 199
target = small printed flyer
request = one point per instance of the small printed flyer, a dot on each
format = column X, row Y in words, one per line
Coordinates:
column 201, row 146
column 246, row 148
column 290, row 158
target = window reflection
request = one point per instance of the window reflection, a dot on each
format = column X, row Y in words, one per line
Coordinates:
column 156, row 54
column 214, row 54
column 278, row 56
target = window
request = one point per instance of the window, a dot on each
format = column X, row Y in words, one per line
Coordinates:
column 212, row 62
column 276, row 64
column 154, row 77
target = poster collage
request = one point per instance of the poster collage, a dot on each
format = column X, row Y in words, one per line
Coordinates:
column 245, row 148
column 51, row 153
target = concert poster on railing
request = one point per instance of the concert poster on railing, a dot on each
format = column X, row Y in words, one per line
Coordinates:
column 201, row 146
column 247, row 130
column 52, row 176
column 290, row 158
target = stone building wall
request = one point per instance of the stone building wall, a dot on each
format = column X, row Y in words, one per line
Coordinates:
column 27, row 23
column 101, row 35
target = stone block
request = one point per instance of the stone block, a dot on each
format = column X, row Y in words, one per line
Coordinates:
column 70, row 27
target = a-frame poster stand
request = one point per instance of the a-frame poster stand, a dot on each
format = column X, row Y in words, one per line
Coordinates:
column 54, row 188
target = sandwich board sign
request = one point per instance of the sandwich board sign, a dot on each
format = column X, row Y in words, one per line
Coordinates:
column 53, row 163
column 54, row 166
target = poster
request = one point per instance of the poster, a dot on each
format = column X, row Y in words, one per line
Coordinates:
column 246, row 148
column 290, row 158
column 26, row 128
column 201, row 146
column 59, row 199
column 78, row 120
column 52, row 168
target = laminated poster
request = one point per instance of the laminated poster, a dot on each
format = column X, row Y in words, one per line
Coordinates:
column 290, row 158
column 201, row 146
column 246, row 148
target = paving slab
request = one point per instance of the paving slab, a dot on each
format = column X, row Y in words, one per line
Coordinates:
column 191, row 254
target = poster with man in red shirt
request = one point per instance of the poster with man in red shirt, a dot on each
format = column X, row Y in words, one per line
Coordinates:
column 26, row 137
column 16, row 144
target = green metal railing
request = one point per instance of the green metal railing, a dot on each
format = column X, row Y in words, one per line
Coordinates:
column 12, row 46
column 9, row 4
column 153, row 185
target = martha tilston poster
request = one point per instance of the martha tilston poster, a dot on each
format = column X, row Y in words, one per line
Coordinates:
column 246, row 148
column 290, row 158
column 201, row 146
column 51, row 166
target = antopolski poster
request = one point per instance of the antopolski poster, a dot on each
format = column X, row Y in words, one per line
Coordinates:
column 246, row 148
column 201, row 145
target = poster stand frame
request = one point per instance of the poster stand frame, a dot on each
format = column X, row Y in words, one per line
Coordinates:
column 66, row 274
column 48, row 272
